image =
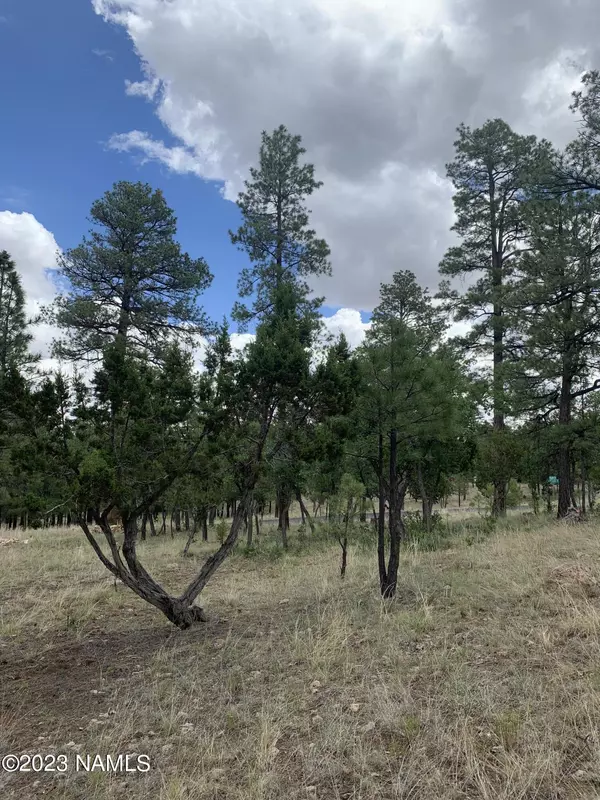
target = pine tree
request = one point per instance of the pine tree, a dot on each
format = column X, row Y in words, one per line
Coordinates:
column 15, row 337
column 275, row 233
column 559, row 293
column 490, row 173
column 283, row 252
column 129, row 282
column 412, row 390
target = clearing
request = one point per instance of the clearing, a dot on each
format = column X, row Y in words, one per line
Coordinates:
column 481, row 680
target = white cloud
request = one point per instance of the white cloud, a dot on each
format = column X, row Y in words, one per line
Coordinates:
column 375, row 88
column 178, row 159
column 347, row 321
column 34, row 250
column 105, row 54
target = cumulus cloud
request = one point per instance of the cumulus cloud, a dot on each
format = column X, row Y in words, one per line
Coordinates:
column 33, row 248
column 347, row 321
column 375, row 88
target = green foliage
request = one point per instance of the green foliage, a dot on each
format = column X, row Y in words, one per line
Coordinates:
column 275, row 233
column 434, row 537
column 221, row 529
column 15, row 336
column 129, row 280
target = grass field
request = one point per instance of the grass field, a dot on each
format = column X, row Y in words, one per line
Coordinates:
column 481, row 680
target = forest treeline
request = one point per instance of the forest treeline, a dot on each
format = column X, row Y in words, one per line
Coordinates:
column 132, row 429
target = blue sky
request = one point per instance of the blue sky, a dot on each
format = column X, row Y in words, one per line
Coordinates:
column 66, row 100
column 376, row 90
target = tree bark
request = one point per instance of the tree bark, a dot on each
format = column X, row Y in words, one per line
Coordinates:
column 344, row 546
column 564, row 447
column 381, row 518
column 397, row 491
column 304, row 510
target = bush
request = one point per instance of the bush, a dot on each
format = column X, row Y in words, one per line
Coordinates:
column 419, row 536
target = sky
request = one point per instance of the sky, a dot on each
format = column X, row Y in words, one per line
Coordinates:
column 177, row 92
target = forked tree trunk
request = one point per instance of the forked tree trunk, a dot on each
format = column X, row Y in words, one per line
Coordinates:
column 181, row 610
column 191, row 536
column 305, row 512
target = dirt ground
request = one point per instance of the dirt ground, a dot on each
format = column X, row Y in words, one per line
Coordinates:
column 481, row 680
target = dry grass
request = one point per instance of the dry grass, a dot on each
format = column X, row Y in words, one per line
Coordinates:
column 482, row 679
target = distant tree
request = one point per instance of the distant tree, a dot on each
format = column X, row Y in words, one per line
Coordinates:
column 581, row 168
column 284, row 252
column 344, row 509
column 559, row 293
column 15, row 336
column 490, row 172
column 411, row 392
column 275, row 233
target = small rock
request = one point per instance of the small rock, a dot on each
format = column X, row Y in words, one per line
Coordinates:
column 316, row 719
column 152, row 733
column 354, row 707
column 284, row 602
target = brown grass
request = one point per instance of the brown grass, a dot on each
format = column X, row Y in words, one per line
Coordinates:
column 482, row 679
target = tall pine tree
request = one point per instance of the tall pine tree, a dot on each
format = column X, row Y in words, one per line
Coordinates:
column 490, row 171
